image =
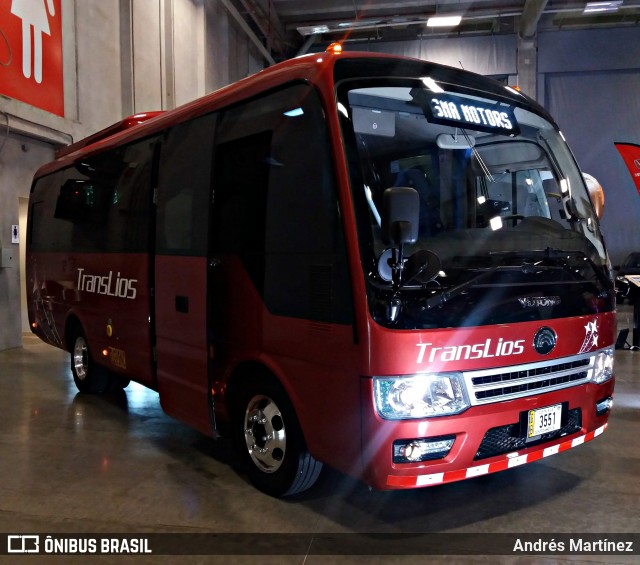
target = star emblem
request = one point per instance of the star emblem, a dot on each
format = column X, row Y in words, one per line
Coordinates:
column 590, row 337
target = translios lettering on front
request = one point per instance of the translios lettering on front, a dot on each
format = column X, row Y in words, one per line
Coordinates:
column 108, row 285
column 502, row 348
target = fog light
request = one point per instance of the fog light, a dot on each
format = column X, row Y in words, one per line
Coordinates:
column 422, row 449
column 603, row 406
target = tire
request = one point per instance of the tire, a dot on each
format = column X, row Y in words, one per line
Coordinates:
column 269, row 441
column 89, row 377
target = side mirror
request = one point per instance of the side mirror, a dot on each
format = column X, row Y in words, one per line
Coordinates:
column 596, row 193
column 400, row 215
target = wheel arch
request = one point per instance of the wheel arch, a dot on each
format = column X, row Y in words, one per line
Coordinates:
column 244, row 373
column 255, row 378
column 249, row 370
column 71, row 327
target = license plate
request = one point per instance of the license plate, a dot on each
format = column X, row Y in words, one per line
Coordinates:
column 544, row 420
column 118, row 357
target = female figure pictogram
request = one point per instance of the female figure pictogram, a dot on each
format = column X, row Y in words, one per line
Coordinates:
column 33, row 14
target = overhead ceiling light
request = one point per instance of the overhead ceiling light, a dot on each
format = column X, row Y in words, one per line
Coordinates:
column 444, row 21
column 313, row 30
column 595, row 7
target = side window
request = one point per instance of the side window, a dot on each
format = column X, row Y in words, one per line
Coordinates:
column 276, row 206
column 47, row 231
column 130, row 202
column 184, row 187
column 101, row 203
column 240, row 192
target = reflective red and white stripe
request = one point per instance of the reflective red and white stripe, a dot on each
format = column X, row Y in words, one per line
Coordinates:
column 510, row 460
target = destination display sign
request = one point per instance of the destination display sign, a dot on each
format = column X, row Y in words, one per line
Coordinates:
column 451, row 110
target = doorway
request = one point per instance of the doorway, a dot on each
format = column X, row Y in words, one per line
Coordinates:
column 23, row 204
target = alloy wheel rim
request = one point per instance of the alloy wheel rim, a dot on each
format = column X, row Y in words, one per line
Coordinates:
column 265, row 434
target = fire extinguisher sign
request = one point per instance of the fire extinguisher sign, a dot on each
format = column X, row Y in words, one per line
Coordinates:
column 31, row 53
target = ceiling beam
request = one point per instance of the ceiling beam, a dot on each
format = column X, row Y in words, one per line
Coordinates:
column 267, row 21
column 245, row 27
column 309, row 41
column 531, row 14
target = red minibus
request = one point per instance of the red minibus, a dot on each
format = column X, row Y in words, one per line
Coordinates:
column 380, row 264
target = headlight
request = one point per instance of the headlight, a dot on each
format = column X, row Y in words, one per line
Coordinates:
column 420, row 396
column 603, row 366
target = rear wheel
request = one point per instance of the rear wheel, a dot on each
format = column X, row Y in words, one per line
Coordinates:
column 87, row 374
column 270, row 442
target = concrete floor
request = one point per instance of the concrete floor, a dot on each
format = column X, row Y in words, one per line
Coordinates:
column 115, row 463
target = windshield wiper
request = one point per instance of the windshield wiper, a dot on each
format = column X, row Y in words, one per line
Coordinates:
column 561, row 255
column 556, row 254
column 446, row 295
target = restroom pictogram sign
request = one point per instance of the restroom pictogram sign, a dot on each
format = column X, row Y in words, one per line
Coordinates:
column 31, row 53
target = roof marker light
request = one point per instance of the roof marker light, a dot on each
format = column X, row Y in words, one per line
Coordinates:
column 335, row 48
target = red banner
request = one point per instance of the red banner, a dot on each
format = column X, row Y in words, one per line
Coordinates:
column 631, row 154
column 31, row 53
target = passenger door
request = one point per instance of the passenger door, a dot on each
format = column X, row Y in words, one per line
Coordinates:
column 183, row 202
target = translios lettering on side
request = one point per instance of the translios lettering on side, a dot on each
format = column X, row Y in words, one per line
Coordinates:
column 502, row 348
column 107, row 284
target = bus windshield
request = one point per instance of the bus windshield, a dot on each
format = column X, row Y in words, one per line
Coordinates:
column 507, row 231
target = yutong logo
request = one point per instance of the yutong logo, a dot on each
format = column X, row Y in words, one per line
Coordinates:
column 485, row 350
column 107, row 284
column 539, row 301
column 545, row 340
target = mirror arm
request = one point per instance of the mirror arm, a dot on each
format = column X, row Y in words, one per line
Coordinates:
column 397, row 265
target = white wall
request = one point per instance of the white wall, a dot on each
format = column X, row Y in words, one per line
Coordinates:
column 486, row 55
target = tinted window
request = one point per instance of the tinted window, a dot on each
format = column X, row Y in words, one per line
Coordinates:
column 275, row 204
column 101, row 203
column 184, row 188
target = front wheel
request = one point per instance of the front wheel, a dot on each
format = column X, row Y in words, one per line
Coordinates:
column 87, row 374
column 270, row 442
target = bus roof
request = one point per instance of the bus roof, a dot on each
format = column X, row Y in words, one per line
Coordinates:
column 307, row 67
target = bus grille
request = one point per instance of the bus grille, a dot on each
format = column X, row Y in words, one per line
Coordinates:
column 505, row 439
column 507, row 383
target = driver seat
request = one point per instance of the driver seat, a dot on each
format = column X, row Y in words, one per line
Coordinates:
column 430, row 220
